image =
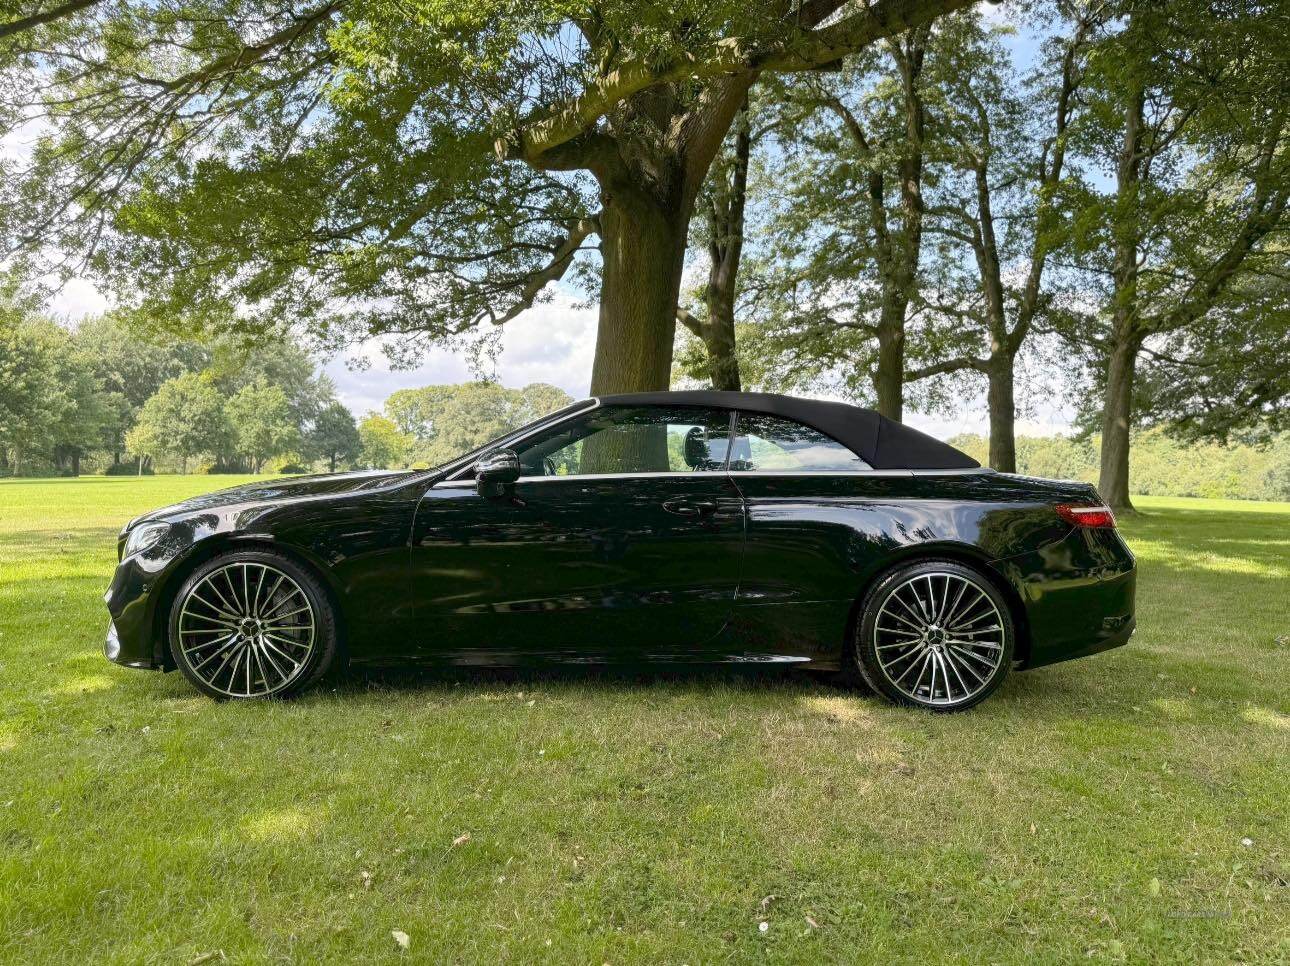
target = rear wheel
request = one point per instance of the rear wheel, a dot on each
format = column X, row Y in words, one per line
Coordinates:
column 935, row 634
column 252, row 624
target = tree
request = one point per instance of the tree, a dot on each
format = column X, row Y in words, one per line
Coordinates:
column 51, row 406
column 382, row 445
column 334, row 436
column 996, row 203
column 445, row 421
column 237, row 363
column 20, row 16
column 844, row 298
column 85, row 410
column 261, row 421
column 723, row 203
column 473, row 151
column 130, row 366
column 183, row 420
column 1228, row 374
column 29, row 393
column 1189, row 120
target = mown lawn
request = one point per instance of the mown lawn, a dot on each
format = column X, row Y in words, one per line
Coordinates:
column 1132, row 806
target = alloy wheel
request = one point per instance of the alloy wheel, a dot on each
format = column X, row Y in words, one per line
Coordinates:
column 246, row 630
column 939, row 638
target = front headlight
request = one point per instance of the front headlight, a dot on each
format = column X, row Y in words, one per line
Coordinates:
column 144, row 536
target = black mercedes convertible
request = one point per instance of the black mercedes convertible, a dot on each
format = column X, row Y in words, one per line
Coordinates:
column 673, row 527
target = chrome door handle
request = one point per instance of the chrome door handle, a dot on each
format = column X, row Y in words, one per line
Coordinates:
column 690, row 508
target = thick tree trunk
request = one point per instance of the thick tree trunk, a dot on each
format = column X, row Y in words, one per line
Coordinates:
column 1003, row 415
column 719, row 340
column 643, row 247
column 332, row 462
column 725, row 251
column 1125, row 340
column 76, row 462
column 889, row 377
column 1117, row 416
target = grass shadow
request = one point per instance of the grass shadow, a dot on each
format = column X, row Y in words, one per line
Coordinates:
column 699, row 677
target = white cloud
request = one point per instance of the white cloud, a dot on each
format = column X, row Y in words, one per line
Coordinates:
column 553, row 342
column 76, row 299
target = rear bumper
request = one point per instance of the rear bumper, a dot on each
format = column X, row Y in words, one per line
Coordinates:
column 1078, row 595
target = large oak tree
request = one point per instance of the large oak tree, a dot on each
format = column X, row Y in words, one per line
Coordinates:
column 367, row 167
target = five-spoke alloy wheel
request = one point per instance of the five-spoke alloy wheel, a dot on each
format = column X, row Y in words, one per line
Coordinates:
column 936, row 634
column 252, row 625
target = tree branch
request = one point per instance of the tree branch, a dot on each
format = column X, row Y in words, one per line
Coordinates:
column 246, row 56
column 561, row 259
column 802, row 50
column 943, row 368
column 689, row 320
column 33, row 20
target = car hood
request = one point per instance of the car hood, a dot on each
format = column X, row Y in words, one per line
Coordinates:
column 284, row 490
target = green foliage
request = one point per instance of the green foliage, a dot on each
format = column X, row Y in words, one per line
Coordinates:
column 382, row 446
column 1178, row 230
column 870, row 249
column 334, row 437
column 443, row 422
column 260, row 418
column 66, row 395
column 129, row 366
column 1162, row 465
column 185, row 419
column 52, row 408
column 366, row 97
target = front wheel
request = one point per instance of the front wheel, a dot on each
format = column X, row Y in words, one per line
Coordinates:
column 252, row 624
column 935, row 634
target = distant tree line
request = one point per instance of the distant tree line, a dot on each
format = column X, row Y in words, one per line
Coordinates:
column 100, row 397
column 431, row 425
column 104, row 398
column 1163, row 464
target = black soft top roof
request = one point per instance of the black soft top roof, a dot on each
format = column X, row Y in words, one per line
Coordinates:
column 882, row 443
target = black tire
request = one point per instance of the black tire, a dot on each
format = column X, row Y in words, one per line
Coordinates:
column 281, row 660
column 971, row 657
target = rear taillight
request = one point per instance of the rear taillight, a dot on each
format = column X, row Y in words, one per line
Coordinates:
column 1087, row 516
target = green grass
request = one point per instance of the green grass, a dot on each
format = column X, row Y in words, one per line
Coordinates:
column 1093, row 809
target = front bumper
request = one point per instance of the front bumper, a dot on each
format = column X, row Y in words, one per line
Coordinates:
column 131, row 639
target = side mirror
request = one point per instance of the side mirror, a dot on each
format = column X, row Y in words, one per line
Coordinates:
column 496, row 469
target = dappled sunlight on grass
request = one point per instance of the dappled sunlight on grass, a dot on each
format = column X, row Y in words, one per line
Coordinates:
column 1215, row 562
column 1174, row 708
column 1266, row 717
column 849, row 710
column 85, row 684
column 283, row 825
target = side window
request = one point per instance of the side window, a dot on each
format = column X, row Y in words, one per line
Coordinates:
column 773, row 444
column 631, row 439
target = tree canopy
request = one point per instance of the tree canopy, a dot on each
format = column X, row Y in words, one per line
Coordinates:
column 363, row 167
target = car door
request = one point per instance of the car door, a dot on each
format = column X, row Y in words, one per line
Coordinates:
column 817, row 517
column 623, row 538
